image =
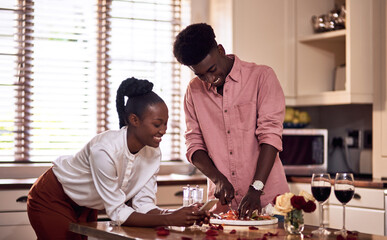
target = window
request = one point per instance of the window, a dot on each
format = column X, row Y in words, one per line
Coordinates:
column 61, row 62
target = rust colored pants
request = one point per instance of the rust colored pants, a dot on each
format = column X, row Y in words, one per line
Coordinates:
column 50, row 210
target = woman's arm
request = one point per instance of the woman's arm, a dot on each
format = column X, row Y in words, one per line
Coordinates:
column 185, row 216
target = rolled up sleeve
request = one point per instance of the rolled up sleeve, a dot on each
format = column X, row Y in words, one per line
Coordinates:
column 193, row 134
column 271, row 110
column 145, row 200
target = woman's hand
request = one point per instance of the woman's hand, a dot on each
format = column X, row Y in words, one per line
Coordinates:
column 250, row 202
column 224, row 191
column 187, row 216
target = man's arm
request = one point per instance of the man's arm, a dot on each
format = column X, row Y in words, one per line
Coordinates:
column 265, row 162
column 224, row 190
column 270, row 112
column 251, row 200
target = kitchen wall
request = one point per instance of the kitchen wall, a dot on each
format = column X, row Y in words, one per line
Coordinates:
column 339, row 120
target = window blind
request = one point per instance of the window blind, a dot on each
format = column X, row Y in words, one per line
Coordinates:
column 64, row 99
column 62, row 62
column 142, row 35
column 15, row 74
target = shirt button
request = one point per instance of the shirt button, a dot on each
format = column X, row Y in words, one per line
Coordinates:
column 225, row 110
column 236, row 193
column 230, row 153
column 228, row 131
column 233, row 173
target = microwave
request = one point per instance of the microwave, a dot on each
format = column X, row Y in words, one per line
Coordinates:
column 304, row 151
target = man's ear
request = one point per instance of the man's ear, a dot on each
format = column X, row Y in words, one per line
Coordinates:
column 221, row 49
column 134, row 120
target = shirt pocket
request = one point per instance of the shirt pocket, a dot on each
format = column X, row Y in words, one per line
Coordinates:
column 246, row 116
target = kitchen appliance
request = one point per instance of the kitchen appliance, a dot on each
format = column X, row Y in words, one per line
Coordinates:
column 305, row 151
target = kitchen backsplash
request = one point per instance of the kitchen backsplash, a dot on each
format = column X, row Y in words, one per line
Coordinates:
column 340, row 120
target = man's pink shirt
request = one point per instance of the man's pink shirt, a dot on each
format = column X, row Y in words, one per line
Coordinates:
column 232, row 127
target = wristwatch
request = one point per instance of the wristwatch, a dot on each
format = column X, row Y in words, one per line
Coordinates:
column 258, row 185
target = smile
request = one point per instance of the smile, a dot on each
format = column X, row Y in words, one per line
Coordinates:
column 216, row 81
column 157, row 139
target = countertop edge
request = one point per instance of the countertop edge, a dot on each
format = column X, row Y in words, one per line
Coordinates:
column 176, row 179
column 372, row 183
column 162, row 180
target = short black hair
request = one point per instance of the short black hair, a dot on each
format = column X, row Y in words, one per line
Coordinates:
column 140, row 96
column 194, row 43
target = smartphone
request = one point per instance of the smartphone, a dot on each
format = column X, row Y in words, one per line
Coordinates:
column 209, row 204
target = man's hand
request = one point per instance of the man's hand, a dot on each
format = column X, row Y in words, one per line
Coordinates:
column 224, row 191
column 250, row 202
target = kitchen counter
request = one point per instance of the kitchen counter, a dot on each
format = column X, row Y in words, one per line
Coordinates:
column 162, row 180
column 13, row 184
column 181, row 179
column 103, row 230
column 359, row 182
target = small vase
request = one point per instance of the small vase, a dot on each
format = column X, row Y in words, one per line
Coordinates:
column 294, row 222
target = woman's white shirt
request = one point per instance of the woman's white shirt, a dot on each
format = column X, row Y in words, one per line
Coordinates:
column 105, row 174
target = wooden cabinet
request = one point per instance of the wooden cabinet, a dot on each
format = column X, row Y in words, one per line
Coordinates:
column 367, row 205
column 379, row 117
column 14, row 223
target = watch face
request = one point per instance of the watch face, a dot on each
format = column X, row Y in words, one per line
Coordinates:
column 258, row 185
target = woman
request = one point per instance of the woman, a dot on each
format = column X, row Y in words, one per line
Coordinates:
column 115, row 171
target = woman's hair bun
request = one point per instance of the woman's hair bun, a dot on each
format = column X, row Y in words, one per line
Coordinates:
column 135, row 87
column 140, row 95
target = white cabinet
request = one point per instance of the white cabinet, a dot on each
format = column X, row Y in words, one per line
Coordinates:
column 280, row 34
column 318, row 54
column 360, row 219
column 364, row 213
column 379, row 116
column 258, row 31
column 309, row 218
column 14, row 223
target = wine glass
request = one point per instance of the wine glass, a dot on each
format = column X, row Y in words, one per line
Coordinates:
column 321, row 189
column 344, row 191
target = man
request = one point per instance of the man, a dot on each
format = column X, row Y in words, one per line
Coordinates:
column 234, row 113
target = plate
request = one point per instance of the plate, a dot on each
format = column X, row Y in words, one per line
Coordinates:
column 244, row 222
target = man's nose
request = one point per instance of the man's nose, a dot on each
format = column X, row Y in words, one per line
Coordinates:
column 210, row 78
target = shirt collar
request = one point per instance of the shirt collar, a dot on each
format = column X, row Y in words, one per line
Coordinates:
column 234, row 74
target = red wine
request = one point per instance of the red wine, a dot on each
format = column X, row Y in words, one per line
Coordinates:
column 321, row 193
column 344, row 196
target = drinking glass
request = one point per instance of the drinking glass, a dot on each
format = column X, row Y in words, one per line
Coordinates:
column 197, row 194
column 321, row 189
column 344, row 191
